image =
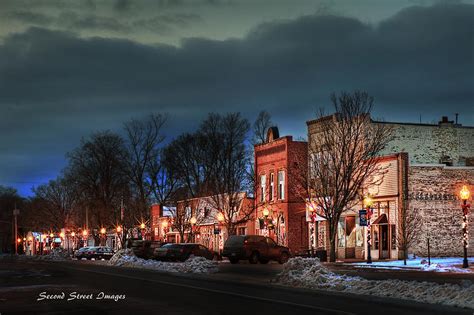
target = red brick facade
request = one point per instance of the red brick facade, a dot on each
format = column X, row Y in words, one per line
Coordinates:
column 276, row 165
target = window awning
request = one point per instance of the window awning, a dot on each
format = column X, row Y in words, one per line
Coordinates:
column 382, row 219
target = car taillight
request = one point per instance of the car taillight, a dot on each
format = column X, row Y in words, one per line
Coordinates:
column 246, row 241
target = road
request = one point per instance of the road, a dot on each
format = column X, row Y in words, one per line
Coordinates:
column 151, row 292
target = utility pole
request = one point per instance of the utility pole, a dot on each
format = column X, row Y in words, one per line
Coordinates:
column 16, row 212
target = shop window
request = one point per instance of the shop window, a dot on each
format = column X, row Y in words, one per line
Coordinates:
column 394, row 236
column 341, row 237
column 375, row 236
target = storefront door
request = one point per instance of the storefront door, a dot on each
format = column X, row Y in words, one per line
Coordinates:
column 384, row 241
column 350, row 232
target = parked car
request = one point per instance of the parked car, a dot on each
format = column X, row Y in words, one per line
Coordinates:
column 181, row 252
column 143, row 249
column 96, row 252
column 255, row 248
column 81, row 252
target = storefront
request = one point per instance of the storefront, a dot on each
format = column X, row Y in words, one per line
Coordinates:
column 351, row 234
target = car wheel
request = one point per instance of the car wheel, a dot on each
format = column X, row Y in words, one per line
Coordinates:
column 263, row 261
column 253, row 258
column 283, row 258
column 233, row 260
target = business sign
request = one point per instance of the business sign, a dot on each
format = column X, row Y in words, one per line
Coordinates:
column 363, row 217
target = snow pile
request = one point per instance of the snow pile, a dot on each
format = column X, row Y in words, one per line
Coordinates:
column 309, row 273
column 438, row 264
column 55, row 254
column 126, row 258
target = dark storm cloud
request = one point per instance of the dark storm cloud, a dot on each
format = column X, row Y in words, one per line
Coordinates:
column 56, row 87
column 166, row 23
column 30, row 17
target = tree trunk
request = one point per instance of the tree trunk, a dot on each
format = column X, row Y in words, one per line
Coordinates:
column 405, row 255
column 332, row 241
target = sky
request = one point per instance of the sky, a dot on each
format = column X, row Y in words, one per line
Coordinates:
column 69, row 68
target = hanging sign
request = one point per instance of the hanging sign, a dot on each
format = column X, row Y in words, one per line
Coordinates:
column 363, row 217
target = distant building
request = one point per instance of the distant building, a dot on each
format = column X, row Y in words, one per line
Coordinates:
column 278, row 162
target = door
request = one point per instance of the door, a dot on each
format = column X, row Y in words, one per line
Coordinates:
column 384, row 244
column 350, row 231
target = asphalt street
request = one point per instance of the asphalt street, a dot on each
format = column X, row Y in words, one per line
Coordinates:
column 78, row 287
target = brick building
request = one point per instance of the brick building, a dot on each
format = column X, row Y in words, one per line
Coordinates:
column 277, row 162
column 427, row 166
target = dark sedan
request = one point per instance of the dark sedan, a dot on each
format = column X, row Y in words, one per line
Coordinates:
column 181, row 252
column 96, row 252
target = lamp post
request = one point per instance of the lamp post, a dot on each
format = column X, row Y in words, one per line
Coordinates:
column 73, row 235
column 220, row 220
column 142, row 230
column 193, row 221
column 164, row 225
column 102, row 236
column 368, row 204
column 464, row 194
column 16, row 212
column 119, row 234
column 84, row 237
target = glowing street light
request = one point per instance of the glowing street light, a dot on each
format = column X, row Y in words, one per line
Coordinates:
column 18, row 240
column 368, row 202
column 119, row 229
column 220, row 217
column 464, row 194
column 73, row 234
column 265, row 212
column 142, row 226
column 164, row 224
column 29, row 239
column 61, row 235
column 84, row 233
column 193, row 220
column 51, row 234
column 102, row 231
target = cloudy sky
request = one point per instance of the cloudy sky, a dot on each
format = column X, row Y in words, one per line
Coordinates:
column 68, row 68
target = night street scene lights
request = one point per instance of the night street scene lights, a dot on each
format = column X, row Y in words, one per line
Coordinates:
column 368, row 205
column 464, row 194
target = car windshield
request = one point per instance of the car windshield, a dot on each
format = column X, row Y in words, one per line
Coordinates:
column 235, row 240
column 171, row 245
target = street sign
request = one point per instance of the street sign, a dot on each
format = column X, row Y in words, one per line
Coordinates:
column 363, row 217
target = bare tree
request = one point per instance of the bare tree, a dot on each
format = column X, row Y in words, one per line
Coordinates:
column 143, row 140
column 56, row 205
column 409, row 226
column 260, row 127
column 97, row 168
column 342, row 159
column 230, row 165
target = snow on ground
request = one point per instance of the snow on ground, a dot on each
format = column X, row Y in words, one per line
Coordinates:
column 58, row 254
column 438, row 264
column 309, row 273
column 127, row 258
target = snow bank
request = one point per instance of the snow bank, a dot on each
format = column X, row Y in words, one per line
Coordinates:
column 438, row 264
column 309, row 273
column 126, row 258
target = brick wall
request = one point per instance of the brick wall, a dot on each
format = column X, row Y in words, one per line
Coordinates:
column 433, row 190
column 427, row 144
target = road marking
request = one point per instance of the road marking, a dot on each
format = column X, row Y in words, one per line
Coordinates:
column 220, row 292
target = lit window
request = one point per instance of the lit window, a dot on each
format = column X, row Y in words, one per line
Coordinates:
column 263, row 187
column 281, row 185
column 272, row 180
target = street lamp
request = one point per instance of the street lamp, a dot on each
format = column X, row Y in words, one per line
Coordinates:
column 51, row 235
column 464, row 194
column 193, row 221
column 61, row 235
column 368, row 205
column 265, row 212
